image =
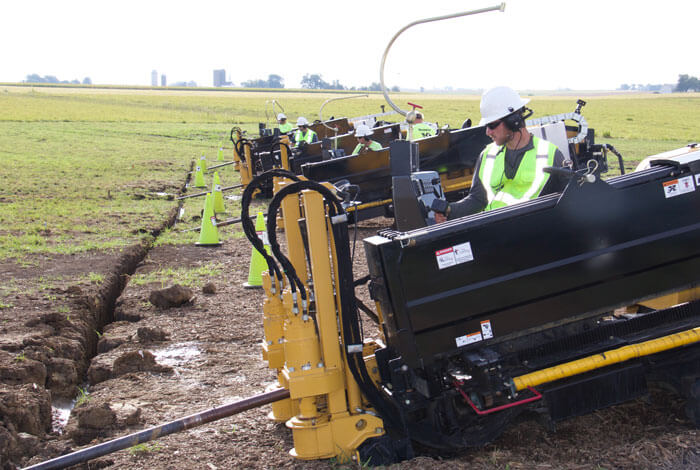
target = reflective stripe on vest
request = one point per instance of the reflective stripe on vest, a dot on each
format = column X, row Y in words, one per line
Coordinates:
column 308, row 138
column 501, row 191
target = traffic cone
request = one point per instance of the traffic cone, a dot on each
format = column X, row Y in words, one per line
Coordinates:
column 208, row 233
column 203, row 162
column 217, row 195
column 199, row 178
column 220, row 155
column 257, row 261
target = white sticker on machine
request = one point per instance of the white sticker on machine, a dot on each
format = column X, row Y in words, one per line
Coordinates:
column 454, row 255
column 697, row 180
column 679, row 186
column 486, row 329
column 468, row 339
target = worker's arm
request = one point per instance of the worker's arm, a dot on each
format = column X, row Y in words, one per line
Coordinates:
column 556, row 182
column 475, row 201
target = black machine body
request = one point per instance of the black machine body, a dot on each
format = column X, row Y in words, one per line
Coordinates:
column 471, row 304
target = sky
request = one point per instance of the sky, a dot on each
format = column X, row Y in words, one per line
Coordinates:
column 532, row 45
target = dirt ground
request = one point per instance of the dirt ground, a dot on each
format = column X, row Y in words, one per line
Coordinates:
column 149, row 365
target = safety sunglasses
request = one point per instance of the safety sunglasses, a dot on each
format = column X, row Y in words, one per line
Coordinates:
column 493, row 125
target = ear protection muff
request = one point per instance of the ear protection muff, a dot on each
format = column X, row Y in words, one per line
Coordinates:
column 516, row 120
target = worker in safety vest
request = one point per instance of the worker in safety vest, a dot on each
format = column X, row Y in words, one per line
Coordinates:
column 421, row 129
column 364, row 143
column 303, row 133
column 510, row 169
column 284, row 126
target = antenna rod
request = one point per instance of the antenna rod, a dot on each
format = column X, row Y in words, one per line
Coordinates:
column 500, row 7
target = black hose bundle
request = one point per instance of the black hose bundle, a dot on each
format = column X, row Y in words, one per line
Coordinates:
column 351, row 330
column 237, row 130
column 239, row 147
column 247, row 223
column 278, row 143
column 272, row 225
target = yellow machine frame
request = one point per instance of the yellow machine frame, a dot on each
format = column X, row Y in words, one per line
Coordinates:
column 325, row 411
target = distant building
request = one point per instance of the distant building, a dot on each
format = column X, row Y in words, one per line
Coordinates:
column 163, row 80
column 154, row 78
column 220, row 78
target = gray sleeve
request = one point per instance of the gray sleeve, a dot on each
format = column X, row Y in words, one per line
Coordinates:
column 556, row 183
column 475, row 201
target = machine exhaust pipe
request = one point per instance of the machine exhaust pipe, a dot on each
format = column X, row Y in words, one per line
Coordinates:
column 155, row 432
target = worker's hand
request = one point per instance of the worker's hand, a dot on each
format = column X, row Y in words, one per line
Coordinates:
column 440, row 217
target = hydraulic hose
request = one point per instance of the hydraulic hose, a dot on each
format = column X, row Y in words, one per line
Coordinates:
column 352, row 336
column 280, row 144
column 239, row 147
column 272, row 224
column 237, row 130
column 247, row 223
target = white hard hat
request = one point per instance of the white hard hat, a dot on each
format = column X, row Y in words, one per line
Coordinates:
column 281, row 116
column 302, row 121
column 363, row 130
column 498, row 103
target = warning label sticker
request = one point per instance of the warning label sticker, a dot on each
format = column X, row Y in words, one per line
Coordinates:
column 486, row 329
column 679, row 186
column 454, row 255
column 697, row 180
column 468, row 339
column 263, row 236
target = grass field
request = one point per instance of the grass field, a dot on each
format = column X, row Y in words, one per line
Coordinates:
column 86, row 168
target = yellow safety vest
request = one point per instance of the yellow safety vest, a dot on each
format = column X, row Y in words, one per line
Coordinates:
column 308, row 137
column 528, row 181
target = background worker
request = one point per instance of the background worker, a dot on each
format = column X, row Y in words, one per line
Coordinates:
column 510, row 169
column 303, row 133
column 421, row 129
column 284, row 126
column 364, row 143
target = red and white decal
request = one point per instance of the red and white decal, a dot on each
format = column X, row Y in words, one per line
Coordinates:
column 454, row 255
column 679, row 186
column 469, row 339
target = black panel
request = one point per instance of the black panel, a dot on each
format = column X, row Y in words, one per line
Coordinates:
column 444, row 153
column 593, row 392
column 597, row 246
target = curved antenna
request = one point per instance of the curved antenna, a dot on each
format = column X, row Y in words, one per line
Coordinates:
column 320, row 111
column 275, row 102
column 274, row 115
column 500, row 7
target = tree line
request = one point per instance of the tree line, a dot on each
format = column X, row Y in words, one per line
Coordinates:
column 313, row 81
column 687, row 83
column 36, row 78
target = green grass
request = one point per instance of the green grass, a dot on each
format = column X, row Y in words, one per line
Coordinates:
column 144, row 448
column 190, row 277
column 83, row 396
column 82, row 168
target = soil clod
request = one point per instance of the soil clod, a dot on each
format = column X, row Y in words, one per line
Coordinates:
column 169, row 297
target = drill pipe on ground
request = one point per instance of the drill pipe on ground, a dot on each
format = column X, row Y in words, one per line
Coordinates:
column 227, row 188
column 219, row 224
column 155, row 432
